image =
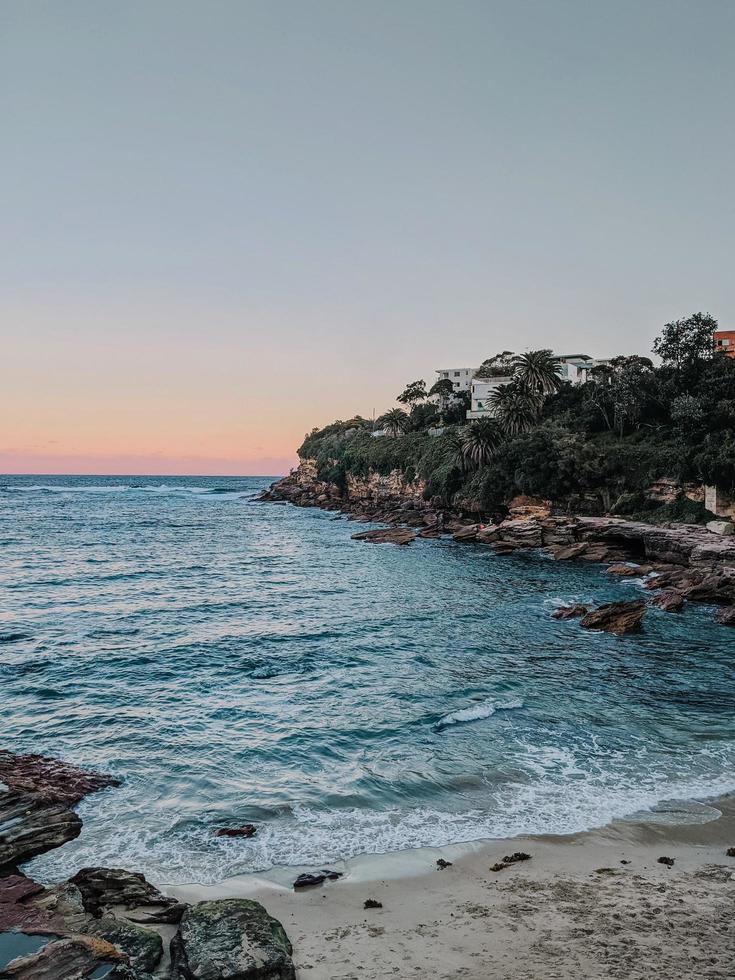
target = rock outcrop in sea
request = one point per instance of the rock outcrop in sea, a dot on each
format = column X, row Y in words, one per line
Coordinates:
column 108, row 921
column 680, row 563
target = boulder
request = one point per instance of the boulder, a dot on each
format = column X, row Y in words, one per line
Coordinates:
column 628, row 571
column 468, row 533
column 725, row 528
column 31, row 825
column 316, row 878
column 386, row 535
column 567, row 552
column 669, row 600
column 64, row 959
column 726, row 617
column 523, row 506
column 616, row 617
column 103, row 888
column 521, row 533
column 231, row 939
column 56, row 781
column 570, row 612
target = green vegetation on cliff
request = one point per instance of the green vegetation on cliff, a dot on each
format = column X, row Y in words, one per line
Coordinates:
column 593, row 447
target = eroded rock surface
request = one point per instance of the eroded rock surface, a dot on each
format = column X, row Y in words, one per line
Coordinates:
column 616, row 617
column 231, row 939
column 103, row 888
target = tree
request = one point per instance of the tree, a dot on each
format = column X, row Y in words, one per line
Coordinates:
column 454, row 412
column 515, row 407
column 499, row 366
column 413, row 392
column 443, row 388
column 394, row 422
column 423, row 416
column 688, row 342
column 537, row 370
column 479, row 441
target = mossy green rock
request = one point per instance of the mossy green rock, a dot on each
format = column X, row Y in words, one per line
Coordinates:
column 234, row 939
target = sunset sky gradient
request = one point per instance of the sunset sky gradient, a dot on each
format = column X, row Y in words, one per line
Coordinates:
column 224, row 223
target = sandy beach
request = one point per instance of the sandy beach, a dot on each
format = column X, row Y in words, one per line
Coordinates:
column 596, row 904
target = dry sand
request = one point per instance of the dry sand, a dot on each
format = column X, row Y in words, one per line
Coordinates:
column 591, row 905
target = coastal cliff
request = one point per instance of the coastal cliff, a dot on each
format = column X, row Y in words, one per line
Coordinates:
column 686, row 562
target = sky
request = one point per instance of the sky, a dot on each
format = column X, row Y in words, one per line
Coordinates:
column 224, row 223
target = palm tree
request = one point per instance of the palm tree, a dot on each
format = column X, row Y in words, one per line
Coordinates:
column 515, row 407
column 479, row 441
column 394, row 422
column 537, row 371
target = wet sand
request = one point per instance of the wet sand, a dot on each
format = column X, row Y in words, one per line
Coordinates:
column 591, row 905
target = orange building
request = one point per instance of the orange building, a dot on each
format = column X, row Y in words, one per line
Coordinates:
column 725, row 342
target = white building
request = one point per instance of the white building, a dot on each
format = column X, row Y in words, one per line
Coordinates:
column 576, row 367
column 460, row 377
column 480, row 391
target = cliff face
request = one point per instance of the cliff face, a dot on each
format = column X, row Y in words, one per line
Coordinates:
column 303, row 486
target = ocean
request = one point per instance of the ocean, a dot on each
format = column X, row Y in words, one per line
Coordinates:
column 234, row 661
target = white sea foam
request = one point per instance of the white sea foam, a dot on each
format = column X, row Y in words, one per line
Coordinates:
column 477, row 711
column 311, row 836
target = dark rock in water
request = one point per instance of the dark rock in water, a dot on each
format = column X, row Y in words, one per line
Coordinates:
column 669, row 862
column 371, row 903
column 570, row 612
column 616, row 617
column 53, row 780
column 105, row 887
column 64, row 959
column 247, row 830
column 730, row 852
column 386, row 535
column 726, row 617
column 231, row 939
column 669, row 600
column 31, row 825
column 516, row 856
column 498, row 866
column 318, row 878
column 442, row 864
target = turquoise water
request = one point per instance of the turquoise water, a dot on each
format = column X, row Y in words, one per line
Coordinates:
column 242, row 662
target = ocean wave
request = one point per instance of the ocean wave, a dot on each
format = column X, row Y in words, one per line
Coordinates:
column 184, row 851
column 477, row 711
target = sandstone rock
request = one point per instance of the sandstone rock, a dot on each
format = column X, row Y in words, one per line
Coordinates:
column 523, row 506
column 231, row 939
column 670, row 600
column 625, row 570
column 488, row 533
column 568, row 552
column 725, row 528
column 570, row 612
column 616, row 617
column 171, row 914
column 64, row 959
column 51, row 779
column 102, row 888
column 386, row 535
column 31, row 825
column 468, row 533
column 525, row 533
column 726, row 617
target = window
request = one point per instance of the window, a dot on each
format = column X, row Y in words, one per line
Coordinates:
column 456, row 374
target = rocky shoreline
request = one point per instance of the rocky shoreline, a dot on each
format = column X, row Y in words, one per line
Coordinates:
column 681, row 563
column 108, row 922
